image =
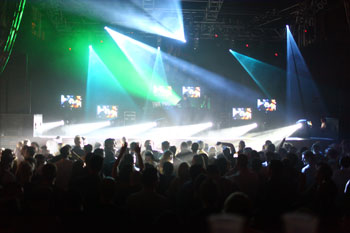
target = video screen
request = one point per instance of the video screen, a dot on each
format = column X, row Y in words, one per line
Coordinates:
column 192, row 92
column 267, row 105
column 162, row 91
column 107, row 111
column 71, row 101
column 242, row 113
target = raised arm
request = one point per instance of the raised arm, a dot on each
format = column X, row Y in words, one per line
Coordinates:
column 232, row 147
column 117, row 161
column 281, row 144
column 139, row 157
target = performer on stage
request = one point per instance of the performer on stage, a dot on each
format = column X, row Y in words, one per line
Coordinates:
column 205, row 103
column 184, row 103
column 186, row 109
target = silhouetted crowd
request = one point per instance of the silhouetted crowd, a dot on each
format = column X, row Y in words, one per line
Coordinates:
column 127, row 187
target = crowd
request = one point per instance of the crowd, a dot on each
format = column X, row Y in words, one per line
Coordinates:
column 128, row 187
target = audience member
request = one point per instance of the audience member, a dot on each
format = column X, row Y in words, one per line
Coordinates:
column 126, row 190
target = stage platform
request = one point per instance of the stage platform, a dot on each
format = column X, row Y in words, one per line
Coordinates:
column 255, row 143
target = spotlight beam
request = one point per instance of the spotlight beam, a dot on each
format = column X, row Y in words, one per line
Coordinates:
column 231, row 133
column 177, row 132
column 137, row 52
column 134, row 14
column 101, row 78
column 261, row 72
column 301, row 89
column 83, row 129
column 125, row 131
column 256, row 140
column 51, row 125
column 148, row 15
column 213, row 80
column 291, row 53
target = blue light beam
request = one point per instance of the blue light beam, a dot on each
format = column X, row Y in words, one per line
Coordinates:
column 162, row 18
column 267, row 77
column 302, row 94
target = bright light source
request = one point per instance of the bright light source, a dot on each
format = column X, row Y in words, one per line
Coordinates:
column 299, row 125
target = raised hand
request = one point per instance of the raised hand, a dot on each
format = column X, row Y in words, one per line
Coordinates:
column 138, row 149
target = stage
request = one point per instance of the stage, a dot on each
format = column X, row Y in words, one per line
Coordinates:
column 97, row 132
